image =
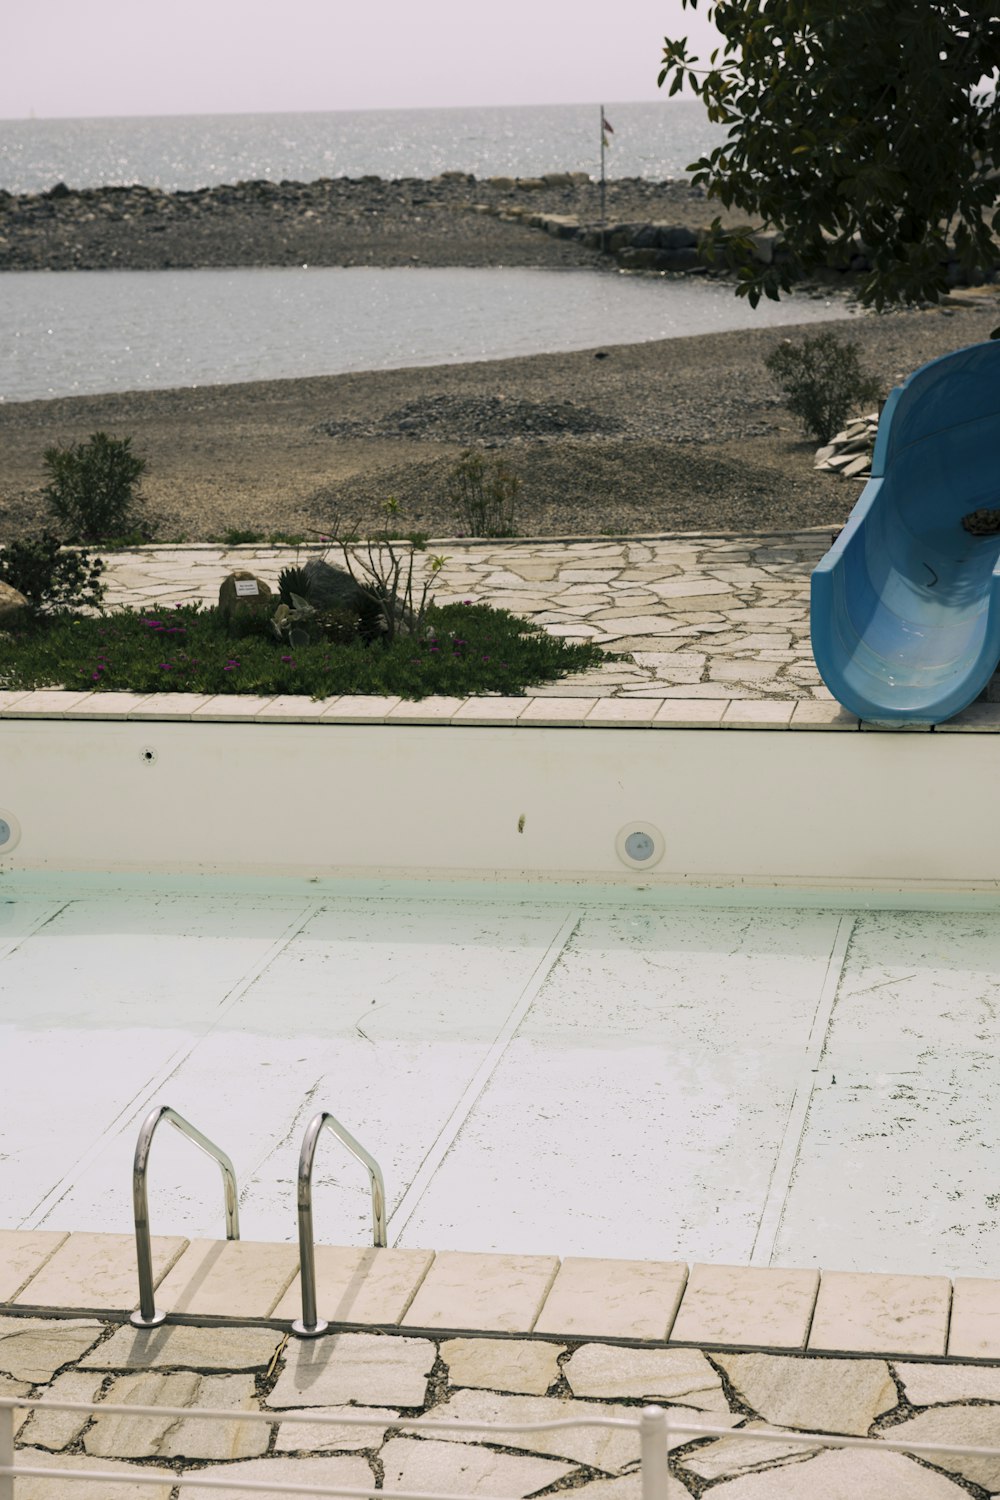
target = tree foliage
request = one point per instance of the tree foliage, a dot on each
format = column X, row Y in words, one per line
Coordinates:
column 871, row 121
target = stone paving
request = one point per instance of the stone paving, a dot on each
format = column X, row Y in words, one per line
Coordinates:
column 720, row 618
column 405, row 1384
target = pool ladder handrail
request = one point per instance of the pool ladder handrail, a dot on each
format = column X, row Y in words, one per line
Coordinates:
column 310, row 1326
column 147, row 1315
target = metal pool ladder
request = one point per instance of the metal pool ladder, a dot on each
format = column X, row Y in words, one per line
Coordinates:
column 310, row 1326
column 147, row 1316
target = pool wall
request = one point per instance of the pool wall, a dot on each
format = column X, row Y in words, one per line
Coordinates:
column 907, row 811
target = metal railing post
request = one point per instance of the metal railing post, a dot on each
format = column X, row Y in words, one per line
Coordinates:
column 6, row 1451
column 147, row 1316
column 654, row 1446
column 310, row 1325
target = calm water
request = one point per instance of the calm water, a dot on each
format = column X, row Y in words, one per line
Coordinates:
column 657, row 141
column 77, row 332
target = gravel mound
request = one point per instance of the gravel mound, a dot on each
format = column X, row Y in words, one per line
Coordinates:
column 489, row 420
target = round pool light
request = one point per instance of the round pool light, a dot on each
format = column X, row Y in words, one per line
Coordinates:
column 10, row 832
column 640, row 846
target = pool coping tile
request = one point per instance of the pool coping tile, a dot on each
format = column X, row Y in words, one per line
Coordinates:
column 974, row 1332
column 762, row 1306
column 97, row 1271
column 23, row 1253
column 690, row 713
column 493, row 1292
column 596, row 1298
column 228, row 1278
column 487, row 710
column 623, row 713
column 44, row 703
column 978, row 718
column 433, row 710
column 290, row 708
column 556, row 713
column 100, row 705
column 758, row 713
column 230, row 708
column 360, row 1285
column 871, row 1313
column 360, row 708
column 816, row 713
column 167, row 706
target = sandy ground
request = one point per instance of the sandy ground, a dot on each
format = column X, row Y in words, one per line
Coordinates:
column 683, row 434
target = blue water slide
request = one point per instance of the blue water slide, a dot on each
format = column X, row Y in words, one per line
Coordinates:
column 905, row 606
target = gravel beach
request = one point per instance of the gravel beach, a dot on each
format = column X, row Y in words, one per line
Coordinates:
column 684, row 434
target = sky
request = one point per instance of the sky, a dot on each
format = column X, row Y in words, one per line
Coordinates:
column 74, row 58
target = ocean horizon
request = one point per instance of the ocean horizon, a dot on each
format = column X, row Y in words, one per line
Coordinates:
column 654, row 140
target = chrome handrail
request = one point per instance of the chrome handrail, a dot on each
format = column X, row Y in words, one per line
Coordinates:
column 147, row 1316
column 309, row 1325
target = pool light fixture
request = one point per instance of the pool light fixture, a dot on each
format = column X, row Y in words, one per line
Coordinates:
column 640, row 846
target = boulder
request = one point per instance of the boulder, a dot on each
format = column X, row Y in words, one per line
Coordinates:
column 14, row 607
column 334, row 588
column 243, row 593
column 676, row 237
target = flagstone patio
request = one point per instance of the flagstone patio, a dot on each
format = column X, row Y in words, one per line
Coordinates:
column 722, row 617
column 410, row 1385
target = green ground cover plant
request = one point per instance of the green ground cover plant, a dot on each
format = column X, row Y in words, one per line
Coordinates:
column 463, row 649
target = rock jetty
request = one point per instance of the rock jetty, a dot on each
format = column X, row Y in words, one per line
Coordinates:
column 451, row 220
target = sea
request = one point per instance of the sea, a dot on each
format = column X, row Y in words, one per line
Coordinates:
column 657, row 140
column 88, row 332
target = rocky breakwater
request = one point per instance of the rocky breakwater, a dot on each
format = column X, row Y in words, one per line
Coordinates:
column 669, row 246
column 453, row 219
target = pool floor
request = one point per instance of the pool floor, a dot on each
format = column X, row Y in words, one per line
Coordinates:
column 736, row 1084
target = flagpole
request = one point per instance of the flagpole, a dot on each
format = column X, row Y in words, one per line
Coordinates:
column 603, row 215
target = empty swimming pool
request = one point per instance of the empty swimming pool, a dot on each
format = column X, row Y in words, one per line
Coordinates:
column 632, row 1074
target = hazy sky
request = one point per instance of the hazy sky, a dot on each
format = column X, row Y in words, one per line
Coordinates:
column 138, row 57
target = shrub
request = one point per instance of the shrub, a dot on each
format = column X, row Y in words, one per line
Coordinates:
column 50, row 579
column 380, row 572
column 94, row 487
column 823, row 382
column 483, row 490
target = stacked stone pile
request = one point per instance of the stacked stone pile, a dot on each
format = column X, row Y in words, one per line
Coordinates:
column 849, row 454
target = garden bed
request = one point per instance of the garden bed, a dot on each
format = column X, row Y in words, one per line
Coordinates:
column 461, row 650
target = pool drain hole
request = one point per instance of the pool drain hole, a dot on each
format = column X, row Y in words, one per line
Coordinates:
column 147, row 755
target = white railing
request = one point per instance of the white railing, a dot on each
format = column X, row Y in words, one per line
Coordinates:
column 658, row 1431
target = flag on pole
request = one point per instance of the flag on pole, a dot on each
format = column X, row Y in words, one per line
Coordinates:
column 606, row 128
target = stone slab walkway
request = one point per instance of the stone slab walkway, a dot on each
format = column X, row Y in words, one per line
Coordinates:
column 413, row 1388
column 722, row 618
